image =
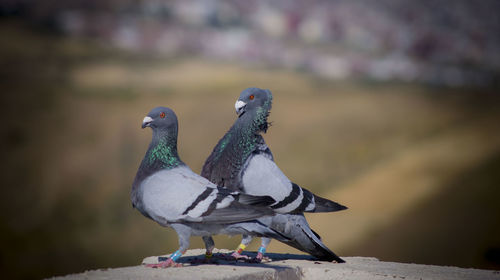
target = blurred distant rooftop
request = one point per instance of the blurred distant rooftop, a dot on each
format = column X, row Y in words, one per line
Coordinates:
column 453, row 43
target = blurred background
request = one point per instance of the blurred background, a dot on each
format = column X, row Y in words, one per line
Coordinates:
column 389, row 107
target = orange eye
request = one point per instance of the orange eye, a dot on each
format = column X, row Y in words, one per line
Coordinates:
column 162, row 115
column 251, row 97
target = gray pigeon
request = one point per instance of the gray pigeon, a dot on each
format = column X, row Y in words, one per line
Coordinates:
column 242, row 161
column 168, row 192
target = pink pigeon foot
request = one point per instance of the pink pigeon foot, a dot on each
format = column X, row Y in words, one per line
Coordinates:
column 164, row 264
column 238, row 256
column 259, row 258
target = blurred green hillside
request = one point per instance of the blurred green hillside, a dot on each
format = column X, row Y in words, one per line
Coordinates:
column 418, row 166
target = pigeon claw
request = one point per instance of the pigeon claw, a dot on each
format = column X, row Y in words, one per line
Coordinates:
column 260, row 258
column 164, row 264
column 238, row 256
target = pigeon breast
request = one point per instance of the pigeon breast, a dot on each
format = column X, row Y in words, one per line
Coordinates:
column 177, row 194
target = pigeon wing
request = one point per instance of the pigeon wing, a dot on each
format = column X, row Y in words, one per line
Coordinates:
column 226, row 206
column 179, row 195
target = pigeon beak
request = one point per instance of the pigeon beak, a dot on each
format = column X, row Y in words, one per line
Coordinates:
column 146, row 122
column 240, row 107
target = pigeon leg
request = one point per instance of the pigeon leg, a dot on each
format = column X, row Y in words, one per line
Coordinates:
column 209, row 245
column 262, row 250
column 170, row 262
column 244, row 243
column 184, row 233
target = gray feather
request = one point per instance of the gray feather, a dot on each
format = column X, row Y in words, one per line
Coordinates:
column 326, row 205
column 261, row 230
column 301, row 236
column 236, row 212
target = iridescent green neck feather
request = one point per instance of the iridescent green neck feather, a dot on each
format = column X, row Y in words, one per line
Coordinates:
column 162, row 155
column 224, row 164
column 162, row 152
column 244, row 134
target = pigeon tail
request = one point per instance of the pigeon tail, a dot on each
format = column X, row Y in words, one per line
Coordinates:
column 302, row 237
column 319, row 250
column 326, row 205
column 256, row 228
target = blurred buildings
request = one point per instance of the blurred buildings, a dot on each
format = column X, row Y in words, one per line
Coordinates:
column 452, row 43
column 418, row 166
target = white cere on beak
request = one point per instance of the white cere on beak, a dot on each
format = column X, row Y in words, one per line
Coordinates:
column 146, row 120
column 239, row 106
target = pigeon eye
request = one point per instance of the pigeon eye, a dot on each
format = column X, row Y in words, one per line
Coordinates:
column 251, row 97
column 162, row 115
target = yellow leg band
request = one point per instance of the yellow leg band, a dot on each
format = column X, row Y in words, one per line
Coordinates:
column 241, row 248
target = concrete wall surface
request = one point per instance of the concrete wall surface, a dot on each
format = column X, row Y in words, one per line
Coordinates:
column 285, row 266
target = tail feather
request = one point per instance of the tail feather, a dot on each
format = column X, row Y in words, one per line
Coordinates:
column 257, row 228
column 315, row 234
column 246, row 199
column 320, row 250
column 263, row 201
column 302, row 237
column 326, row 205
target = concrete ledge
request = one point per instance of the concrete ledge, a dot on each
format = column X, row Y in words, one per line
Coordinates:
column 287, row 266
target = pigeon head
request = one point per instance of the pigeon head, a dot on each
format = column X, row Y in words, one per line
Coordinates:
column 162, row 151
column 253, row 100
column 161, row 118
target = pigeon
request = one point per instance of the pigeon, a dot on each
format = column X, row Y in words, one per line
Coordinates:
column 167, row 191
column 241, row 161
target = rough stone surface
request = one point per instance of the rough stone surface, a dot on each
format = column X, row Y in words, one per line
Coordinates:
column 286, row 266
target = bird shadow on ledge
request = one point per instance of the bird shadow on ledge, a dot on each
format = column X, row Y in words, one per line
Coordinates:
column 223, row 258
